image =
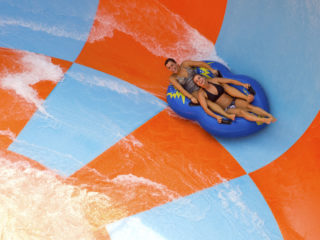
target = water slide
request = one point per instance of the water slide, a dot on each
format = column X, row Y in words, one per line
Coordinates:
column 89, row 148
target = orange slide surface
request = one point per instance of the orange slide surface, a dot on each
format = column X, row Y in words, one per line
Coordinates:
column 164, row 159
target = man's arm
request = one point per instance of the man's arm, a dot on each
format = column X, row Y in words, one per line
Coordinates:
column 199, row 64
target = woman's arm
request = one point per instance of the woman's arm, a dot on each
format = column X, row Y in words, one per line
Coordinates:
column 204, row 105
column 178, row 86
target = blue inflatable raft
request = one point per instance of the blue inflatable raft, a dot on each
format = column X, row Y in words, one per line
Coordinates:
column 238, row 128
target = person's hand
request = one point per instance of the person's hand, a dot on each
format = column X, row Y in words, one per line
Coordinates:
column 246, row 85
column 250, row 98
column 215, row 72
column 219, row 119
column 194, row 100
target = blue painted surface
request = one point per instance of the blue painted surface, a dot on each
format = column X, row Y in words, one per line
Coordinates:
column 276, row 43
column 90, row 111
column 229, row 211
column 55, row 28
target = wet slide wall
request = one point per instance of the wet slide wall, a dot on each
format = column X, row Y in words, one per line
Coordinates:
column 84, row 124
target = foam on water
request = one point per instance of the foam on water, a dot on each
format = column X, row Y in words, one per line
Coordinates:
column 134, row 228
column 35, row 68
column 231, row 198
column 224, row 202
column 132, row 190
column 8, row 134
column 39, row 204
column 147, row 22
column 57, row 30
column 110, row 83
column 36, row 204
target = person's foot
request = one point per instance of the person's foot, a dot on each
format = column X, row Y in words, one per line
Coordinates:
column 250, row 98
column 273, row 119
column 268, row 120
column 232, row 117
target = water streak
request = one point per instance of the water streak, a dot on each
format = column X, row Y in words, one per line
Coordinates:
column 150, row 23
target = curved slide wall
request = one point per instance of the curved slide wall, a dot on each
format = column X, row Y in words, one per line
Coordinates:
column 90, row 150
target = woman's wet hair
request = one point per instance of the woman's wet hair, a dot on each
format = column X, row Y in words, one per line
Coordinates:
column 197, row 74
column 169, row 60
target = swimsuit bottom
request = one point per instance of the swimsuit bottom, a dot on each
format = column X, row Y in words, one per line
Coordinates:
column 232, row 105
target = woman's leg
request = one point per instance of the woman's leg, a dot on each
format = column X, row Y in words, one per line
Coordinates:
column 259, row 111
column 249, row 116
column 232, row 91
column 216, row 108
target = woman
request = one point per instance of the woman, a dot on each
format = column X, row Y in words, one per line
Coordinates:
column 182, row 80
column 212, row 89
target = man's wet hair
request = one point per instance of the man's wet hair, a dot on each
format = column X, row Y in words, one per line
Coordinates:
column 169, row 60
